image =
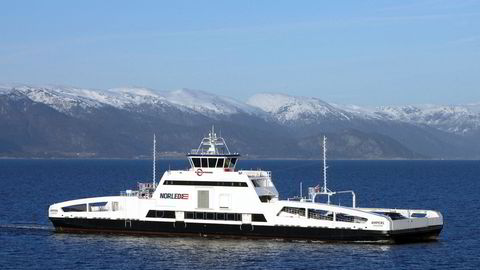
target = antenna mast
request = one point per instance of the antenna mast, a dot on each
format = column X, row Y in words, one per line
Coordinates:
column 154, row 158
column 325, row 164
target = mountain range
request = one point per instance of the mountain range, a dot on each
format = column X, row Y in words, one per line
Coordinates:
column 58, row 121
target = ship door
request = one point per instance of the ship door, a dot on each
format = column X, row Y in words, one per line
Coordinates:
column 246, row 223
column 203, row 199
column 246, row 218
column 224, row 201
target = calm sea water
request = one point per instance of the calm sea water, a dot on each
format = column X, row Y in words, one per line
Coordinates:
column 28, row 187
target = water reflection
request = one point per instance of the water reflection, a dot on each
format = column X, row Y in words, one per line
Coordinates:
column 169, row 252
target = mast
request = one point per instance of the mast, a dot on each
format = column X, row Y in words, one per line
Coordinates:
column 154, row 158
column 325, row 163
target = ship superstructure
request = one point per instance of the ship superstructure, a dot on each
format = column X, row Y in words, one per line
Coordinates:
column 212, row 198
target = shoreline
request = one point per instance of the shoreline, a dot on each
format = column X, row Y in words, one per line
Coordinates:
column 243, row 158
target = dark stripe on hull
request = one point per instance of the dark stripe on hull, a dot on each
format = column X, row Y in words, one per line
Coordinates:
column 245, row 230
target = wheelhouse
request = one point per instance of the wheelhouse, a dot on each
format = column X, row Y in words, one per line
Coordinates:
column 209, row 161
column 213, row 153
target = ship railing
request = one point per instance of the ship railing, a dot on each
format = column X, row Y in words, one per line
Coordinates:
column 405, row 213
column 266, row 191
column 129, row 193
column 145, row 191
column 136, row 193
column 257, row 173
column 260, row 178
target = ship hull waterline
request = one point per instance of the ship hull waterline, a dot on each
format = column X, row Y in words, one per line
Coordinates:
column 158, row 228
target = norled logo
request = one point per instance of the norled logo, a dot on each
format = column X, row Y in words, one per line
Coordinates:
column 178, row 196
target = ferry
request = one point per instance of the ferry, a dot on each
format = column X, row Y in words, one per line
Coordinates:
column 214, row 199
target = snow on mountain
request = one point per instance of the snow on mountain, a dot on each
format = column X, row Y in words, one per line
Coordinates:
column 287, row 108
column 459, row 119
column 60, row 98
column 64, row 99
column 207, row 103
column 454, row 118
column 358, row 111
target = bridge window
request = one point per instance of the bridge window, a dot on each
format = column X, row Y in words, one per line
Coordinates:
column 196, row 162
column 212, row 162
column 204, row 163
column 232, row 163
column 220, row 163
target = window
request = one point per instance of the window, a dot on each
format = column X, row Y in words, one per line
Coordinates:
column 160, row 214
column 212, row 162
column 258, row 218
column 220, row 163
column 203, row 199
column 234, row 217
column 292, row 211
column 205, row 183
column 115, row 206
column 75, row 208
column 189, row 215
column 220, row 216
column 232, row 163
column 97, row 207
column 348, row 218
column 204, row 163
column 392, row 215
column 214, row 216
column 320, row 214
column 196, row 162
column 227, row 163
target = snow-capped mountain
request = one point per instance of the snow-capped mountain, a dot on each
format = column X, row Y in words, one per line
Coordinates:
column 208, row 103
column 65, row 121
column 459, row 119
column 65, row 99
column 285, row 108
column 456, row 119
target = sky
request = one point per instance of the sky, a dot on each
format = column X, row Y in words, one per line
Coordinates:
column 346, row 52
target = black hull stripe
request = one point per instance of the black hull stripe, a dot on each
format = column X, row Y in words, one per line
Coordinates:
column 241, row 231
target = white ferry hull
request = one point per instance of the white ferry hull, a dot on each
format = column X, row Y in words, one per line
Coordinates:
column 181, row 228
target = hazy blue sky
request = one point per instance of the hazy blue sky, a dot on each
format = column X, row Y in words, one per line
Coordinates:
column 361, row 52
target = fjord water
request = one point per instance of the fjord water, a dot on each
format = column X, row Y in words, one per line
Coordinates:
column 28, row 241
